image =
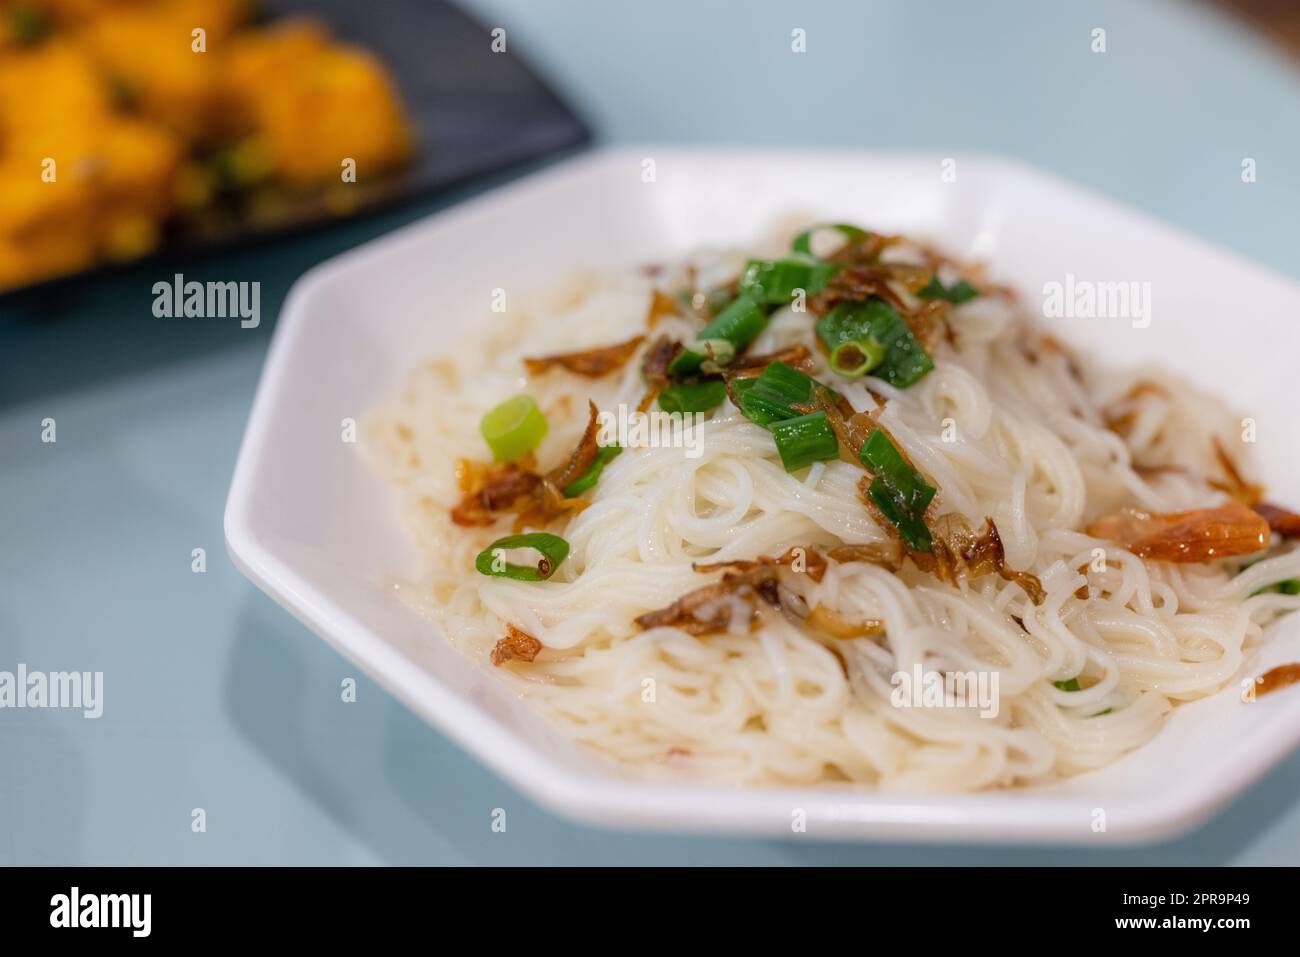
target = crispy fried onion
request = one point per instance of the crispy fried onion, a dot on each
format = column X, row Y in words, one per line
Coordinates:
column 1198, row 535
column 515, row 487
column 855, row 283
column 660, row 305
column 654, row 368
column 1119, row 416
column 592, row 363
column 1276, row 678
column 1234, row 483
column 798, row 356
column 492, row 488
column 516, row 645
column 958, row 552
column 1282, row 521
column 715, row 607
column 837, row 626
column 798, row 558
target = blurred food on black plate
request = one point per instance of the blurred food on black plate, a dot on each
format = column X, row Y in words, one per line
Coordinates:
column 125, row 121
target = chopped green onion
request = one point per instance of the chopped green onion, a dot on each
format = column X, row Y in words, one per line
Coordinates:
column 803, row 242
column 1100, row 713
column 1288, row 586
column 805, row 439
column 959, row 292
column 739, row 325
column 687, row 397
column 905, row 362
column 553, row 549
column 776, row 392
column 910, row 527
column 760, row 409
column 783, row 382
column 856, row 357
column 880, row 455
column 604, row 455
column 513, row 428
column 737, row 388
column 898, row 490
column 778, row 400
column 774, row 281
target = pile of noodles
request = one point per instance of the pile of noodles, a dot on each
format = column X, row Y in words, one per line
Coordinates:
column 1007, row 425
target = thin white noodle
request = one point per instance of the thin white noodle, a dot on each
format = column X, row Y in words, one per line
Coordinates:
column 1003, row 432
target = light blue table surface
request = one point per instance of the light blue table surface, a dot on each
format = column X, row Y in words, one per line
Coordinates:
column 217, row 699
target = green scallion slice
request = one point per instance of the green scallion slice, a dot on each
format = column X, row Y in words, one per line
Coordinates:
column 772, row 396
column 898, row 490
column 803, row 242
column 910, row 527
column 804, row 440
column 604, row 455
column 739, row 325
column 1071, row 684
column 875, row 320
column 856, row 357
column 687, row 397
column 1288, row 586
column 774, row 281
column 959, row 292
column 513, row 428
column 880, row 455
column 552, row 548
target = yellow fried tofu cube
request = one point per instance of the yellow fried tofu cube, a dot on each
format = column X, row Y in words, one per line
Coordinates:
column 81, row 183
column 314, row 103
column 149, row 53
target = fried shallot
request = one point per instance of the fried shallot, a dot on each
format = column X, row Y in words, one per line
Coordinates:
column 654, row 368
column 591, row 363
column 1276, row 678
column 660, row 305
column 1198, row 535
column 837, row 626
column 1235, row 484
column 516, row 645
column 1281, row 520
column 515, row 487
column 492, row 488
column 712, row 608
column 960, row 552
column 798, row 558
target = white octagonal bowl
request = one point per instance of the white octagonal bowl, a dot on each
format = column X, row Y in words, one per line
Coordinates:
column 309, row 522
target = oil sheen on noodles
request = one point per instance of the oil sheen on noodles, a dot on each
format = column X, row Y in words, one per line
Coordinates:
column 1026, row 444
